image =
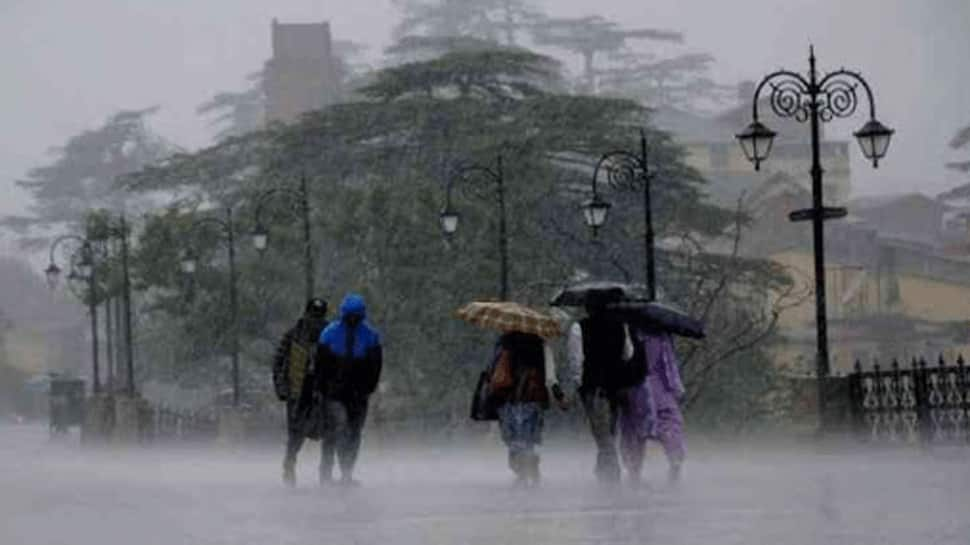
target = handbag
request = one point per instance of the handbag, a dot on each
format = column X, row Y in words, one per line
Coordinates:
column 502, row 381
column 483, row 406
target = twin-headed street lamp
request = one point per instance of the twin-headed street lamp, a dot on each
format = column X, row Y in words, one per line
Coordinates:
column 189, row 265
column 816, row 100
column 261, row 233
column 449, row 217
column 86, row 269
column 260, row 240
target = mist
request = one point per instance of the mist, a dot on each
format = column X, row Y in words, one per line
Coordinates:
column 235, row 234
column 68, row 65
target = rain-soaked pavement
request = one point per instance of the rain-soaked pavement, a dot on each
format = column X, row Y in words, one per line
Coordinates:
column 54, row 492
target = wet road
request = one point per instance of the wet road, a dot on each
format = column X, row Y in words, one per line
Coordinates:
column 54, row 492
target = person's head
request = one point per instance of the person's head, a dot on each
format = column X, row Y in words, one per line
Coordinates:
column 315, row 310
column 353, row 310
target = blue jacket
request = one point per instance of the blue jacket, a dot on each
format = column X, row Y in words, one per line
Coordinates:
column 349, row 357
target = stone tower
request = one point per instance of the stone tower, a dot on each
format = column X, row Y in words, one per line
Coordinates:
column 302, row 75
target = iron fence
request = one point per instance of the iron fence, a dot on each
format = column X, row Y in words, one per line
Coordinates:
column 917, row 404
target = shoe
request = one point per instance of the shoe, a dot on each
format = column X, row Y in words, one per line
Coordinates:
column 349, row 482
column 289, row 475
column 673, row 473
column 532, row 470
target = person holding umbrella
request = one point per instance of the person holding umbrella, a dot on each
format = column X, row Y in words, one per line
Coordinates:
column 520, row 378
column 600, row 349
column 652, row 409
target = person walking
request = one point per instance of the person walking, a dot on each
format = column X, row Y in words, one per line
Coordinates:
column 666, row 391
column 523, row 374
column 599, row 347
column 348, row 368
column 293, row 380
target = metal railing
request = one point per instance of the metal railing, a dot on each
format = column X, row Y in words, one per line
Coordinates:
column 917, row 404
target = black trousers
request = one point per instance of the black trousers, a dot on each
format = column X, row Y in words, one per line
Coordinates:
column 601, row 411
column 297, row 415
column 343, row 425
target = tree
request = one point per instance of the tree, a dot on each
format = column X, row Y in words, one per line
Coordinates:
column 490, row 20
column 592, row 35
column 681, row 82
column 82, row 176
column 376, row 168
column 239, row 112
column 960, row 141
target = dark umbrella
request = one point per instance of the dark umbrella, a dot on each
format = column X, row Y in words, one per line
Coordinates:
column 650, row 314
column 604, row 292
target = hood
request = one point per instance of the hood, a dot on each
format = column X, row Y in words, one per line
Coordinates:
column 353, row 304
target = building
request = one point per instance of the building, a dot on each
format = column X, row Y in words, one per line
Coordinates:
column 303, row 74
column 893, row 289
column 713, row 150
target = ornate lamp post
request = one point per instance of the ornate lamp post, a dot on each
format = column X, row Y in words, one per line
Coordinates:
column 120, row 230
column 189, row 265
column 261, row 234
column 816, row 100
column 450, row 219
column 85, row 270
column 625, row 168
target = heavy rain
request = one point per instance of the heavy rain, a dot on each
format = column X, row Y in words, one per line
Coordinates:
column 485, row 271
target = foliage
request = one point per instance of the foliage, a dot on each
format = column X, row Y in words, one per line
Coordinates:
column 376, row 169
column 681, row 82
column 591, row 35
column 82, row 176
column 491, row 20
column 239, row 112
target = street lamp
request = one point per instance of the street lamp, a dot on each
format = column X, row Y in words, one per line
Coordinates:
column 595, row 212
column 625, row 168
column 449, row 218
column 874, row 138
column 449, row 221
column 260, row 238
column 260, row 234
column 189, row 263
column 53, row 274
column 756, row 140
column 816, row 100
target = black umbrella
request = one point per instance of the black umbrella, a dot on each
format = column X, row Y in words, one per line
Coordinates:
column 603, row 292
column 651, row 314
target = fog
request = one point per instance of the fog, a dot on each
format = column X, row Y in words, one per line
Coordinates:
column 56, row 492
column 68, row 65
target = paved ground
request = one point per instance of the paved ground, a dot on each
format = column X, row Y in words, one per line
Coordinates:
column 54, row 492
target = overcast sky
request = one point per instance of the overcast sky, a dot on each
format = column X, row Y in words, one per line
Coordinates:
column 68, row 64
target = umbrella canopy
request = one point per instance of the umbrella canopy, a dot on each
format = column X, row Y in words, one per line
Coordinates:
column 659, row 316
column 506, row 316
column 578, row 295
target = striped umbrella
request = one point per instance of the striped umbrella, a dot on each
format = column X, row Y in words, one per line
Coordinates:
column 506, row 316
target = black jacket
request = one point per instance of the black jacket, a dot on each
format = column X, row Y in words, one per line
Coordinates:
column 306, row 334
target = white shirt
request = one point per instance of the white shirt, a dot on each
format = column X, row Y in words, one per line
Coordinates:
column 549, row 360
column 576, row 354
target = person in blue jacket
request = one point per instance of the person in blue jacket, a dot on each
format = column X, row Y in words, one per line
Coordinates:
column 348, row 367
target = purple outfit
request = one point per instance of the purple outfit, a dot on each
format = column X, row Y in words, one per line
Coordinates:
column 666, row 390
column 652, row 409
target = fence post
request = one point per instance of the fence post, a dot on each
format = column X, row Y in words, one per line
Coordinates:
column 856, row 399
column 963, row 406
